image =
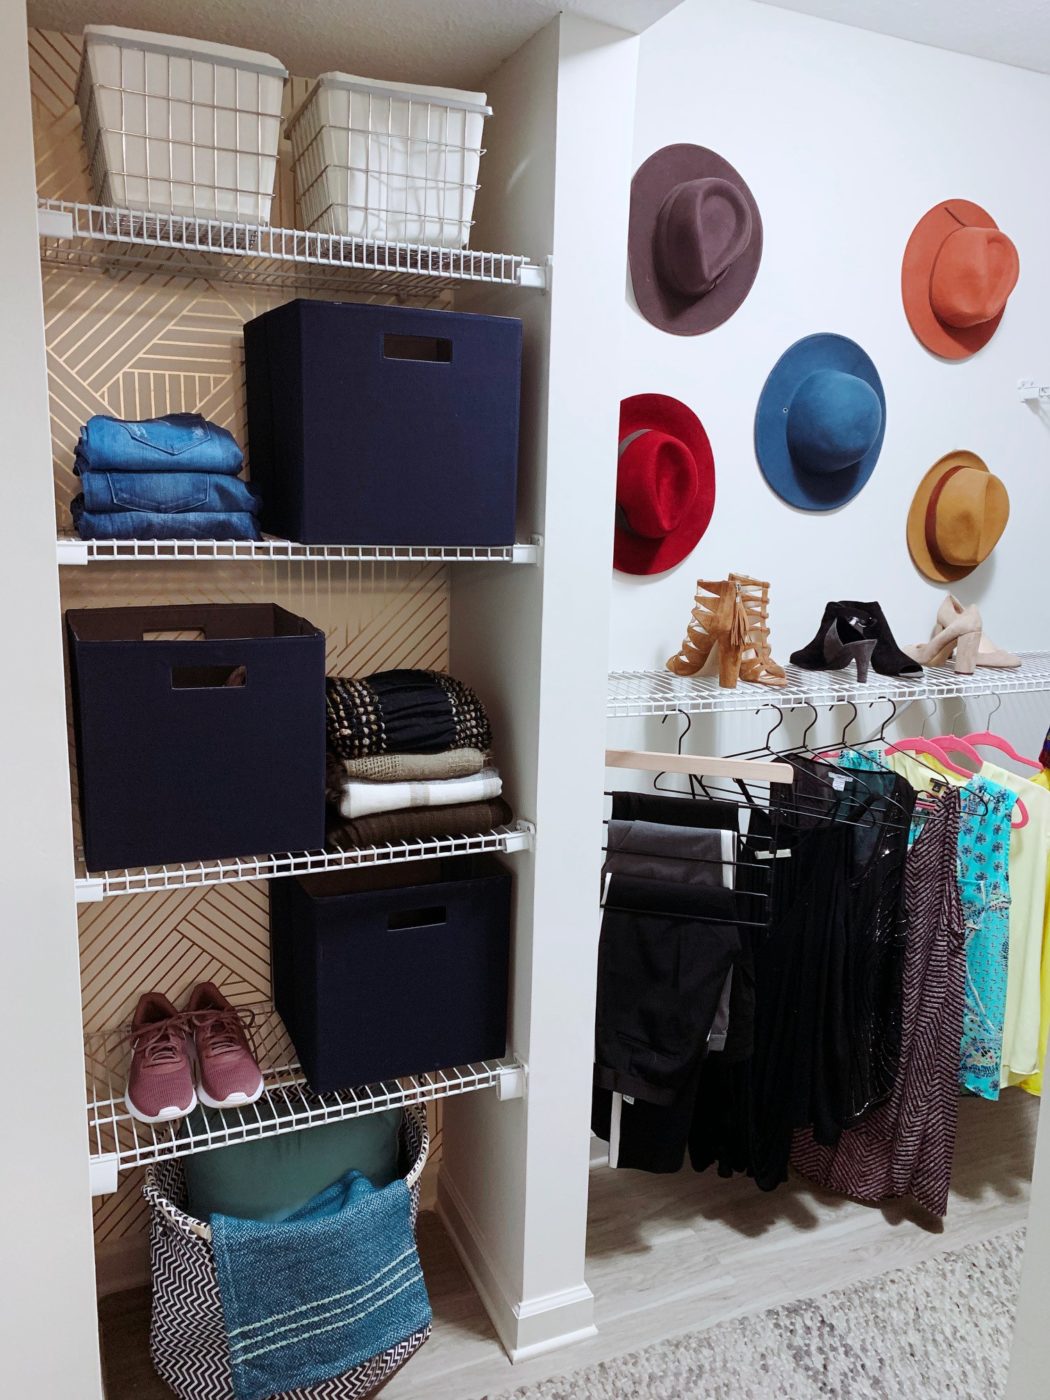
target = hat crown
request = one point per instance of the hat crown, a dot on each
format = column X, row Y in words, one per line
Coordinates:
column 833, row 421
column 656, row 482
column 702, row 228
column 973, row 274
column 967, row 514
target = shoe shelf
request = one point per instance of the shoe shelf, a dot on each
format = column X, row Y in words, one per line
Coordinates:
column 75, row 551
column 91, row 887
column 661, row 693
column 118, row 1142
column 93, row 236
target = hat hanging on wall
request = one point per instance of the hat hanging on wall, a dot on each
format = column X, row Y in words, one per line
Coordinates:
column 959, row 269
column 820, row 422
column 958, row 514
column 665, row 484
column 694, row 239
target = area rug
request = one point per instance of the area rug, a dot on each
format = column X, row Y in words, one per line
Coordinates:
column 938, row 1331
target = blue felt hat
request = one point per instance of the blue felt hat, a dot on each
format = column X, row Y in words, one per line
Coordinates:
column 820, row 422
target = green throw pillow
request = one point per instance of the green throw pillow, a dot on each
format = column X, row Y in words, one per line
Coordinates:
column 269, row 1178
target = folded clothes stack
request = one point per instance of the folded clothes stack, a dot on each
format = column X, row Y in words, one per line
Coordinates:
column 408, row 757
column 169, row 478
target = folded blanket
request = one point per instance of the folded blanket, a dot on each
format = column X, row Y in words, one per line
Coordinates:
column 167, row 492
column 420, row 824
column 401, row 768
column 307, row 1298
column 359, row 799
column 176, row 442
column 152, row 525
column 403, row 712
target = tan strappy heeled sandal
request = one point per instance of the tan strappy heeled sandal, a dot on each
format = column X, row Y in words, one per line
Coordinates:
column 757, row 664
column 719, row 620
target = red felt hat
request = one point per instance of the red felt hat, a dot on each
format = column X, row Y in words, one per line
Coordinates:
column 665, row 484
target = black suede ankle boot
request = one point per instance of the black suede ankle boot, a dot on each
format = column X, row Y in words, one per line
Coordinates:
column 855, row 622
column 887, row 659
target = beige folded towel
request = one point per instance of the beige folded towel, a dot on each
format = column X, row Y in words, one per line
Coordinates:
column 413, row 767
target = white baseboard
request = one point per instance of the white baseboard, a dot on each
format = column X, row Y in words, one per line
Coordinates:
column 533, row 1325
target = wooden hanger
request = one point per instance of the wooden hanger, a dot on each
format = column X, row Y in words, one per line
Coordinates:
column 700, row 765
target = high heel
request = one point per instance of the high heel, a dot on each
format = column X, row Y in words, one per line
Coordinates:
column 961, row 636
column 839, row 653
column 716, row 621
column 988, row 654
column 856, row 621
column 759, row 668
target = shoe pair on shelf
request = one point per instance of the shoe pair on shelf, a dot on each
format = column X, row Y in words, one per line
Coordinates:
column 858, row 633
column 166, row 1045
column 735, row 618
column 957, row 632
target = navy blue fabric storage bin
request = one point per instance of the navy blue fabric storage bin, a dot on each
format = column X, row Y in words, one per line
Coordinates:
column 393, row 971
column 384, row 425
column 197, row 749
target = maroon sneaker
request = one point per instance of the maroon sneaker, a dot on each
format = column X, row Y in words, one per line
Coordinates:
column 160, row 1081
column 227, row 1074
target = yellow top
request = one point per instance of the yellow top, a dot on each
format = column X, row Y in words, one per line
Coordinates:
column 1034, row 1082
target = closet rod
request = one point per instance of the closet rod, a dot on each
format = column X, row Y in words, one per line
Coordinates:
column 748, row 770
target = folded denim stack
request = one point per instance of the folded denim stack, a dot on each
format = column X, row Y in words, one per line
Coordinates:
column 408, row 757
column 169, row 478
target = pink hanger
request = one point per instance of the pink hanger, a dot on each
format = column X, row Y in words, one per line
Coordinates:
column 996, row 741
column 964, row 746
column 934, row 748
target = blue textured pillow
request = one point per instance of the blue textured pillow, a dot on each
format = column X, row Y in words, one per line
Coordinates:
column 269, row 1178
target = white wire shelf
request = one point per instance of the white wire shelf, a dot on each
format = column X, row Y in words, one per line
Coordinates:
column 91, row 887
column 661, row 693
column 118, row 1142
column 73, row 551
column 94, row 236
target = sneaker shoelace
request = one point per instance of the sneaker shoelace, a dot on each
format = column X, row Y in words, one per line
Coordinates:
column 222, row 1032
column 160, row 1043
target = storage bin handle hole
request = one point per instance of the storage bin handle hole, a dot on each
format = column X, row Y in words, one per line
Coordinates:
column 403, row 920
column 428, row 348
column 208, row 677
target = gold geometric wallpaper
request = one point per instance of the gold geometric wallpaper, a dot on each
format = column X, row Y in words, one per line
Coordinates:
column 135, row 345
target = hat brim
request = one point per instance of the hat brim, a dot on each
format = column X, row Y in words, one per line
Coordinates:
column 631, row 553
column 918, row 548
column 811, row 490
column 660, row 305
column 949, row 342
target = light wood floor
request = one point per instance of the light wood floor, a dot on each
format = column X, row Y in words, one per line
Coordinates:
column 668, row 1255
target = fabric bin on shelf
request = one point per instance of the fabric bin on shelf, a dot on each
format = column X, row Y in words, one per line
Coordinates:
column 392, row 971
column 384, row 424
column 181, row 126
column 388, row 161
column 200, row 732
column 188, row 1343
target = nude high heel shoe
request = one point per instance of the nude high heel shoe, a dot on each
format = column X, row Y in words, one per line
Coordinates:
column 988, row 654
column 961, row 636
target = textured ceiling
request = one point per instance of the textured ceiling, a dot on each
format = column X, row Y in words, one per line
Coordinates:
column 1010, row 31
column 453, row 42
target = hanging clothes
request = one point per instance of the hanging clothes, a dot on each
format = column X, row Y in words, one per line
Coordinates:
column 1033, row 1083
column 984, row 886
column 827, row 977
column 905, row 1146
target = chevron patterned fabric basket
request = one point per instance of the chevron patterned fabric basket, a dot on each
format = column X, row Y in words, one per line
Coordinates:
column 187, row 1330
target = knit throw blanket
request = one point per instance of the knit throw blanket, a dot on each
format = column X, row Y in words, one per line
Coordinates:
column 317, row 1294
column 403, row 712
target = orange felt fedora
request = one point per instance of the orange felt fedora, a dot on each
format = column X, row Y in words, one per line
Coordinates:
column 958, row 514
column 665, row 484
column 958, row 272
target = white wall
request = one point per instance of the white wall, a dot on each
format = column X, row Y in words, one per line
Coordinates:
column 847, row 138
column 48, row 1336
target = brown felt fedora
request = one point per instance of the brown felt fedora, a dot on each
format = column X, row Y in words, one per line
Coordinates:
column 958, row 271
column 958, row 514
column 694, row 240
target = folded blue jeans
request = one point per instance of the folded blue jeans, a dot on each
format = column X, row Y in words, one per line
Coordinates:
column 177, row 442
column 154, row 525
column 166, row 492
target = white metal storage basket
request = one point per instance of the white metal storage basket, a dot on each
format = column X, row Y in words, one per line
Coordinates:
column 386, row 161
column 180, row 125
column 187, row 1331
